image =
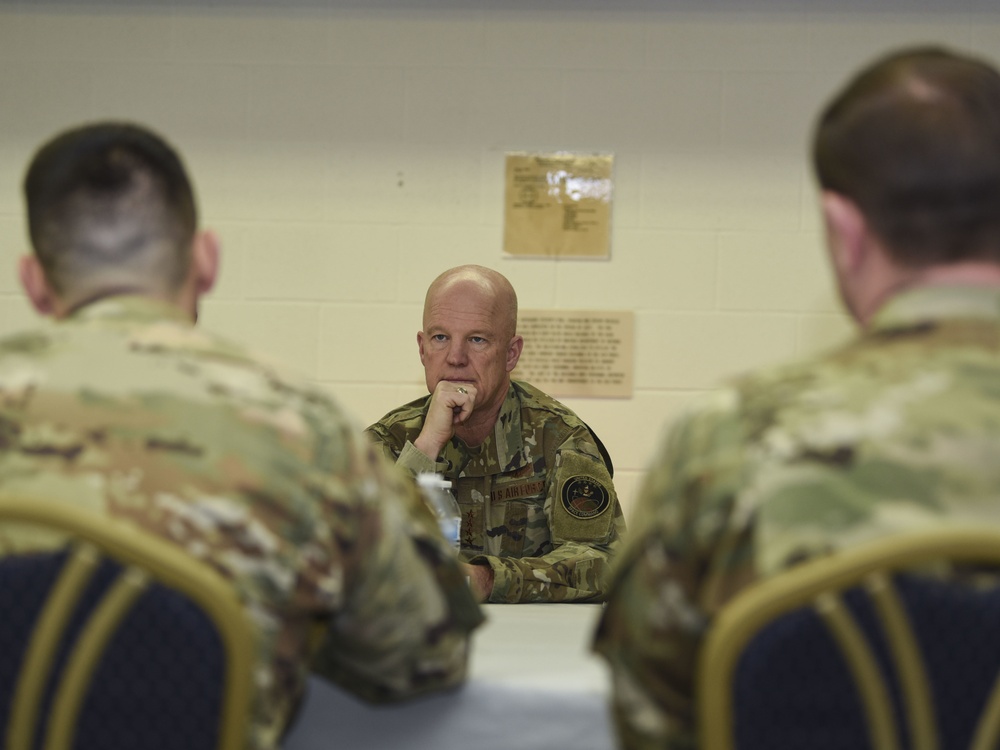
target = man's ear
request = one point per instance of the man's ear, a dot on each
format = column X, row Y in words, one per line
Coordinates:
column 847, row 233
column 36, row 285
column 514, row 352
column 205, row 250
column 420, row 346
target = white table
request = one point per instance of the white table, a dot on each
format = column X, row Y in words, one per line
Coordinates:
column 533, row 683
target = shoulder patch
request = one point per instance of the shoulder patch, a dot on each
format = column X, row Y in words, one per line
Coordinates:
column 584, row 497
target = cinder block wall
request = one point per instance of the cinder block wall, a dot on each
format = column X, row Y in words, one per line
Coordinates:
column 347, row 152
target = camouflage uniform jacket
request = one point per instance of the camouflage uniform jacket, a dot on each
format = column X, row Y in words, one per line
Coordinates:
column 129, row 410
column 896, row 430
column 536, row 497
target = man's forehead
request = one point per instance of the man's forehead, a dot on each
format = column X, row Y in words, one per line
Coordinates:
column 461, row 303
column 459, row 319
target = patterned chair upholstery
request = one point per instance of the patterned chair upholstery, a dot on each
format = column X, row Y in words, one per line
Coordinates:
column 117, row 640
column 895, row 644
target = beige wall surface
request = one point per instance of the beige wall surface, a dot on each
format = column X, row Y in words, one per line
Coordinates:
column 348, row 152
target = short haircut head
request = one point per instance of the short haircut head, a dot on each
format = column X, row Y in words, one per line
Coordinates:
column 914, row 141
column 109, row 206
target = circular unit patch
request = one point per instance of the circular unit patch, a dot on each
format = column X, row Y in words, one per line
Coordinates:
column 585, row 497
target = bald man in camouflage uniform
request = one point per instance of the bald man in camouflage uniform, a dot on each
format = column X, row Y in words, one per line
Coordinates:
column 123, row 407
column 897, row 430
column 540, row 517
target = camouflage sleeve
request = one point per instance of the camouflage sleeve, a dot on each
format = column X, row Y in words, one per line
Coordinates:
column 381, row 438
column 403, row 629
column 686, row 556
column 586, row 525
column 649, row 634
column 406, row 456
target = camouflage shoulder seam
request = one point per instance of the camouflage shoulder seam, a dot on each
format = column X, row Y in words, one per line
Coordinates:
column 533, row 398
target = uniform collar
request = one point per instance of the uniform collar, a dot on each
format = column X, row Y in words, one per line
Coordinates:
column 933, row 302
column 129, row 308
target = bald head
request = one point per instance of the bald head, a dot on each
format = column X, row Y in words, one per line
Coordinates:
column 482, row 283
column 469, row 338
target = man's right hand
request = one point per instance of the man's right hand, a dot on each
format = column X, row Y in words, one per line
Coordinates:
column 451, row 404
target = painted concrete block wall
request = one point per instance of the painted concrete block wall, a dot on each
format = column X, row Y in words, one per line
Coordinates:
column 348, row 152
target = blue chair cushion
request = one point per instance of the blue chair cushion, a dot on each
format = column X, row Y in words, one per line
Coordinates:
column 158, row 685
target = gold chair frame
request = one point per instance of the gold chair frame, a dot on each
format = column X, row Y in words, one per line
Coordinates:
column 821, row 583
column 145, row 559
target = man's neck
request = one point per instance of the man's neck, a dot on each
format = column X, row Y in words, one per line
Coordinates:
column 977, row 273
column 481, row 422
column 972, row 273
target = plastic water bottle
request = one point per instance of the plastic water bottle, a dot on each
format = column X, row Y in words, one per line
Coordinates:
column 437, row 492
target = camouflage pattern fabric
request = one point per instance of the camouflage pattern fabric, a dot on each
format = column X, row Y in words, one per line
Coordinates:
column 127, row 409
column 898, row 430
column 537, row 500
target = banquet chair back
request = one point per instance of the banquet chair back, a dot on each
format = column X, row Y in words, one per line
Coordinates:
column 893, row 644
column 116, row 639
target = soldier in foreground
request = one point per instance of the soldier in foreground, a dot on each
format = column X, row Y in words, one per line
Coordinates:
column 123, row 406
column 897, row 430
column 540, row 517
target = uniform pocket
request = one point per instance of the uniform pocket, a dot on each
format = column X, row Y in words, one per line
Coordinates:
column 526, row 529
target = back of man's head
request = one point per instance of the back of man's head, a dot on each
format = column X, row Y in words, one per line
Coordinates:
column 110, row 209
column 914, row 141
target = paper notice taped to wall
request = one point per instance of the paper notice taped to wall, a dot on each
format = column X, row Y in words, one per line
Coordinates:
column 558, row 205
column 577, row 352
